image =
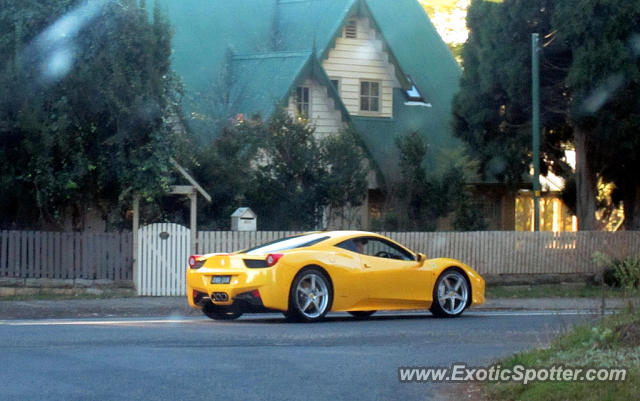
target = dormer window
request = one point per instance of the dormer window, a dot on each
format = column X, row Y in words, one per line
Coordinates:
column 414, row 96
column 351, row 30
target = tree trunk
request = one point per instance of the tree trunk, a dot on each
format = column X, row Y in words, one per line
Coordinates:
column 586, row 184
column 632, row 207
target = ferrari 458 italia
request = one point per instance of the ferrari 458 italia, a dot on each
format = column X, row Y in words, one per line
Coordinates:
column 307, row 275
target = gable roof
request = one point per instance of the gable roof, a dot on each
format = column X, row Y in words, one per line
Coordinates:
column 274, row 44
column 268, row 77
column 423, row 55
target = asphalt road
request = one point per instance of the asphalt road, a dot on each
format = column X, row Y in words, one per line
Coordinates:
column 259, row 357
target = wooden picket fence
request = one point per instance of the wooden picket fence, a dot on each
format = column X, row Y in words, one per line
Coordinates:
column 489, row 252
column 109, row 256
column 517, row 252
column 66, row 256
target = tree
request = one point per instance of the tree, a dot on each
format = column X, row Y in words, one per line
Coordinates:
column 604, row 77
column 287, row 190
column 417, row 200
column 85, row 125
column 492, row 111
column 290, row 178
column 346, row 178
column 226, row 168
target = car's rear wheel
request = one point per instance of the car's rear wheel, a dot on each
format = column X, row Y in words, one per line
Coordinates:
column 310, row 296
column 450, row 294
column 218, row 312
column 362, row 314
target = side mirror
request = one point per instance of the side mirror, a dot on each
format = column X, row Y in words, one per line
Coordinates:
column 421, row 257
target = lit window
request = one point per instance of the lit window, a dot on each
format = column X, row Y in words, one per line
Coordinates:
column 369, row 96
column 302, row 101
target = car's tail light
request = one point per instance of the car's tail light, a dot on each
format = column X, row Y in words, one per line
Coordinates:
column 273, row 258
column 194, row 263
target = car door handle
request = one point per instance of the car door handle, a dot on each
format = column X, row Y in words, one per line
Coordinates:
column 366, row 266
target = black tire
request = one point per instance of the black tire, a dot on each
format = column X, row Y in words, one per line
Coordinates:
column 362, row 314
column 450, row 294
column 217, row 312
column 310, row 296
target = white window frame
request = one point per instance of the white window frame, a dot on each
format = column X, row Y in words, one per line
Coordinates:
column 369, row 96
column 300, row 104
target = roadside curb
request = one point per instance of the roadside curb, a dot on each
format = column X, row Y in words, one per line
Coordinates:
column 550, row 304
column 178, row 307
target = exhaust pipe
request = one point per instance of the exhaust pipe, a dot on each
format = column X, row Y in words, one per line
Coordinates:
column 220, row 296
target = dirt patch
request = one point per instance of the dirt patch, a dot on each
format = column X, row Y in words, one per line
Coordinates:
column 630, row 334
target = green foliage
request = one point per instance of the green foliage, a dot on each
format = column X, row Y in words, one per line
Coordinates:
column 590, row 74
column 93, row 130
column 287, row 190
column 619, row 273
column 346, row 178
column 627, row 273
column 599, row 345
column 283, row 172
column 492, row 111
column 224, row 168
column 604, row 76
column 417, row 200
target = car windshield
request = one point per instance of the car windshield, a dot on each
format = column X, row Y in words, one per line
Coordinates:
column 284, row 244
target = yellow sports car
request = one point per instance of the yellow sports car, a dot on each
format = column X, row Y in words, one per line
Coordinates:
column 308, row 275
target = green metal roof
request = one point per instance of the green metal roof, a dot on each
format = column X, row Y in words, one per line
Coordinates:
column 267, row 77
column 263, row 81
column 271, row 45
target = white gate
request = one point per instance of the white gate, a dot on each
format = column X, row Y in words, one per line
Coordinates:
column 163, row 250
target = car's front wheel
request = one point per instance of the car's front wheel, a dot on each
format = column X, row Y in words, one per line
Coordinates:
column 450, row 294
column 310, row 296
column 218, row 312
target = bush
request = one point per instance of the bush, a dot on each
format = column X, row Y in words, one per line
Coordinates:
column 619, row 273
column 627, row 273
column 609, row 277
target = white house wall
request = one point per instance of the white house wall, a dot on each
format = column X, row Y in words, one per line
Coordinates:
column 323, row 114
column 362, row 58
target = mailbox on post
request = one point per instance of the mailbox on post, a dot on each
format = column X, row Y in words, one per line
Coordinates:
column 244, row 219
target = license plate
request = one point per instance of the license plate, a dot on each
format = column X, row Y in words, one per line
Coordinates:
column 220, row 279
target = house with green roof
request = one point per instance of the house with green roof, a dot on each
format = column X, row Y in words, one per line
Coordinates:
column 378, row 65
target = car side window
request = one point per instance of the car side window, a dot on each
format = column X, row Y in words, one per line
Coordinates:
column 350, row 245
column 375, row 247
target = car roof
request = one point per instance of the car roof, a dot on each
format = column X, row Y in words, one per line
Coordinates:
column 347, row 233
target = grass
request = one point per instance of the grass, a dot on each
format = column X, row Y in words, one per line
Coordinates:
column 612, row 342
column 570, row 290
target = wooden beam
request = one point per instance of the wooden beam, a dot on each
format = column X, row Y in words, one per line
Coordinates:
column 193, row 225
column 182, row 190
column 188, row 177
